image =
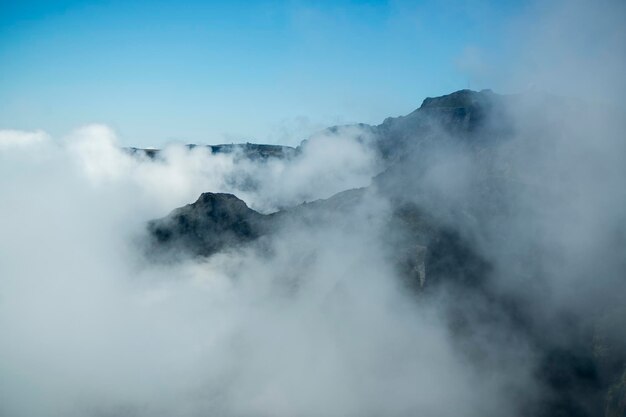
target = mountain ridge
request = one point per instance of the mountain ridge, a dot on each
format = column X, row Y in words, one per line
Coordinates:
column 460, row 107
column 424, row 242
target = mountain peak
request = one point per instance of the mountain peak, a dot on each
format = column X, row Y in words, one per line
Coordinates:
column 461, row 98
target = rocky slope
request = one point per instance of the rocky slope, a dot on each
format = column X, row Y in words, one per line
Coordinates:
column 423, row 249
column 212, row 223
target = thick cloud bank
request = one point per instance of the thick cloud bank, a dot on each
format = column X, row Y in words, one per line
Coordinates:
column 318, row 327
column 89, row 329
column 315, row 319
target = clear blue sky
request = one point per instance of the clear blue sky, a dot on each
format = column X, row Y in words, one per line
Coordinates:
column 209, row 72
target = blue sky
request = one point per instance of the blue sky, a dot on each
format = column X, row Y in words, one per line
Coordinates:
column 266, row 71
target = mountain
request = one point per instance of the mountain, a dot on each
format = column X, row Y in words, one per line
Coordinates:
column 430, row 236
column 247, row 150
column 212, row 223
column 463, row 114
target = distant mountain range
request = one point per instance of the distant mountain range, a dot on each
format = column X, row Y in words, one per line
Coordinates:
column 248, row 150
column 462, row 113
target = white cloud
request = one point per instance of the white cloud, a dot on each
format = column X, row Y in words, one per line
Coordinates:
column 17, row 138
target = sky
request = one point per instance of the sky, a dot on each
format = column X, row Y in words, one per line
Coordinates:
column 220, row 72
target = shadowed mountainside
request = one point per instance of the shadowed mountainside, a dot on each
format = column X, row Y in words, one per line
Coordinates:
column 427, row 241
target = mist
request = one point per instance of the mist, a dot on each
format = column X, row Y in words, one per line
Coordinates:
column 316, row 318
column 92, row 328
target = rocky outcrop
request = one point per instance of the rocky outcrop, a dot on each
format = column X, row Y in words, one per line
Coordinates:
column 214, row 222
